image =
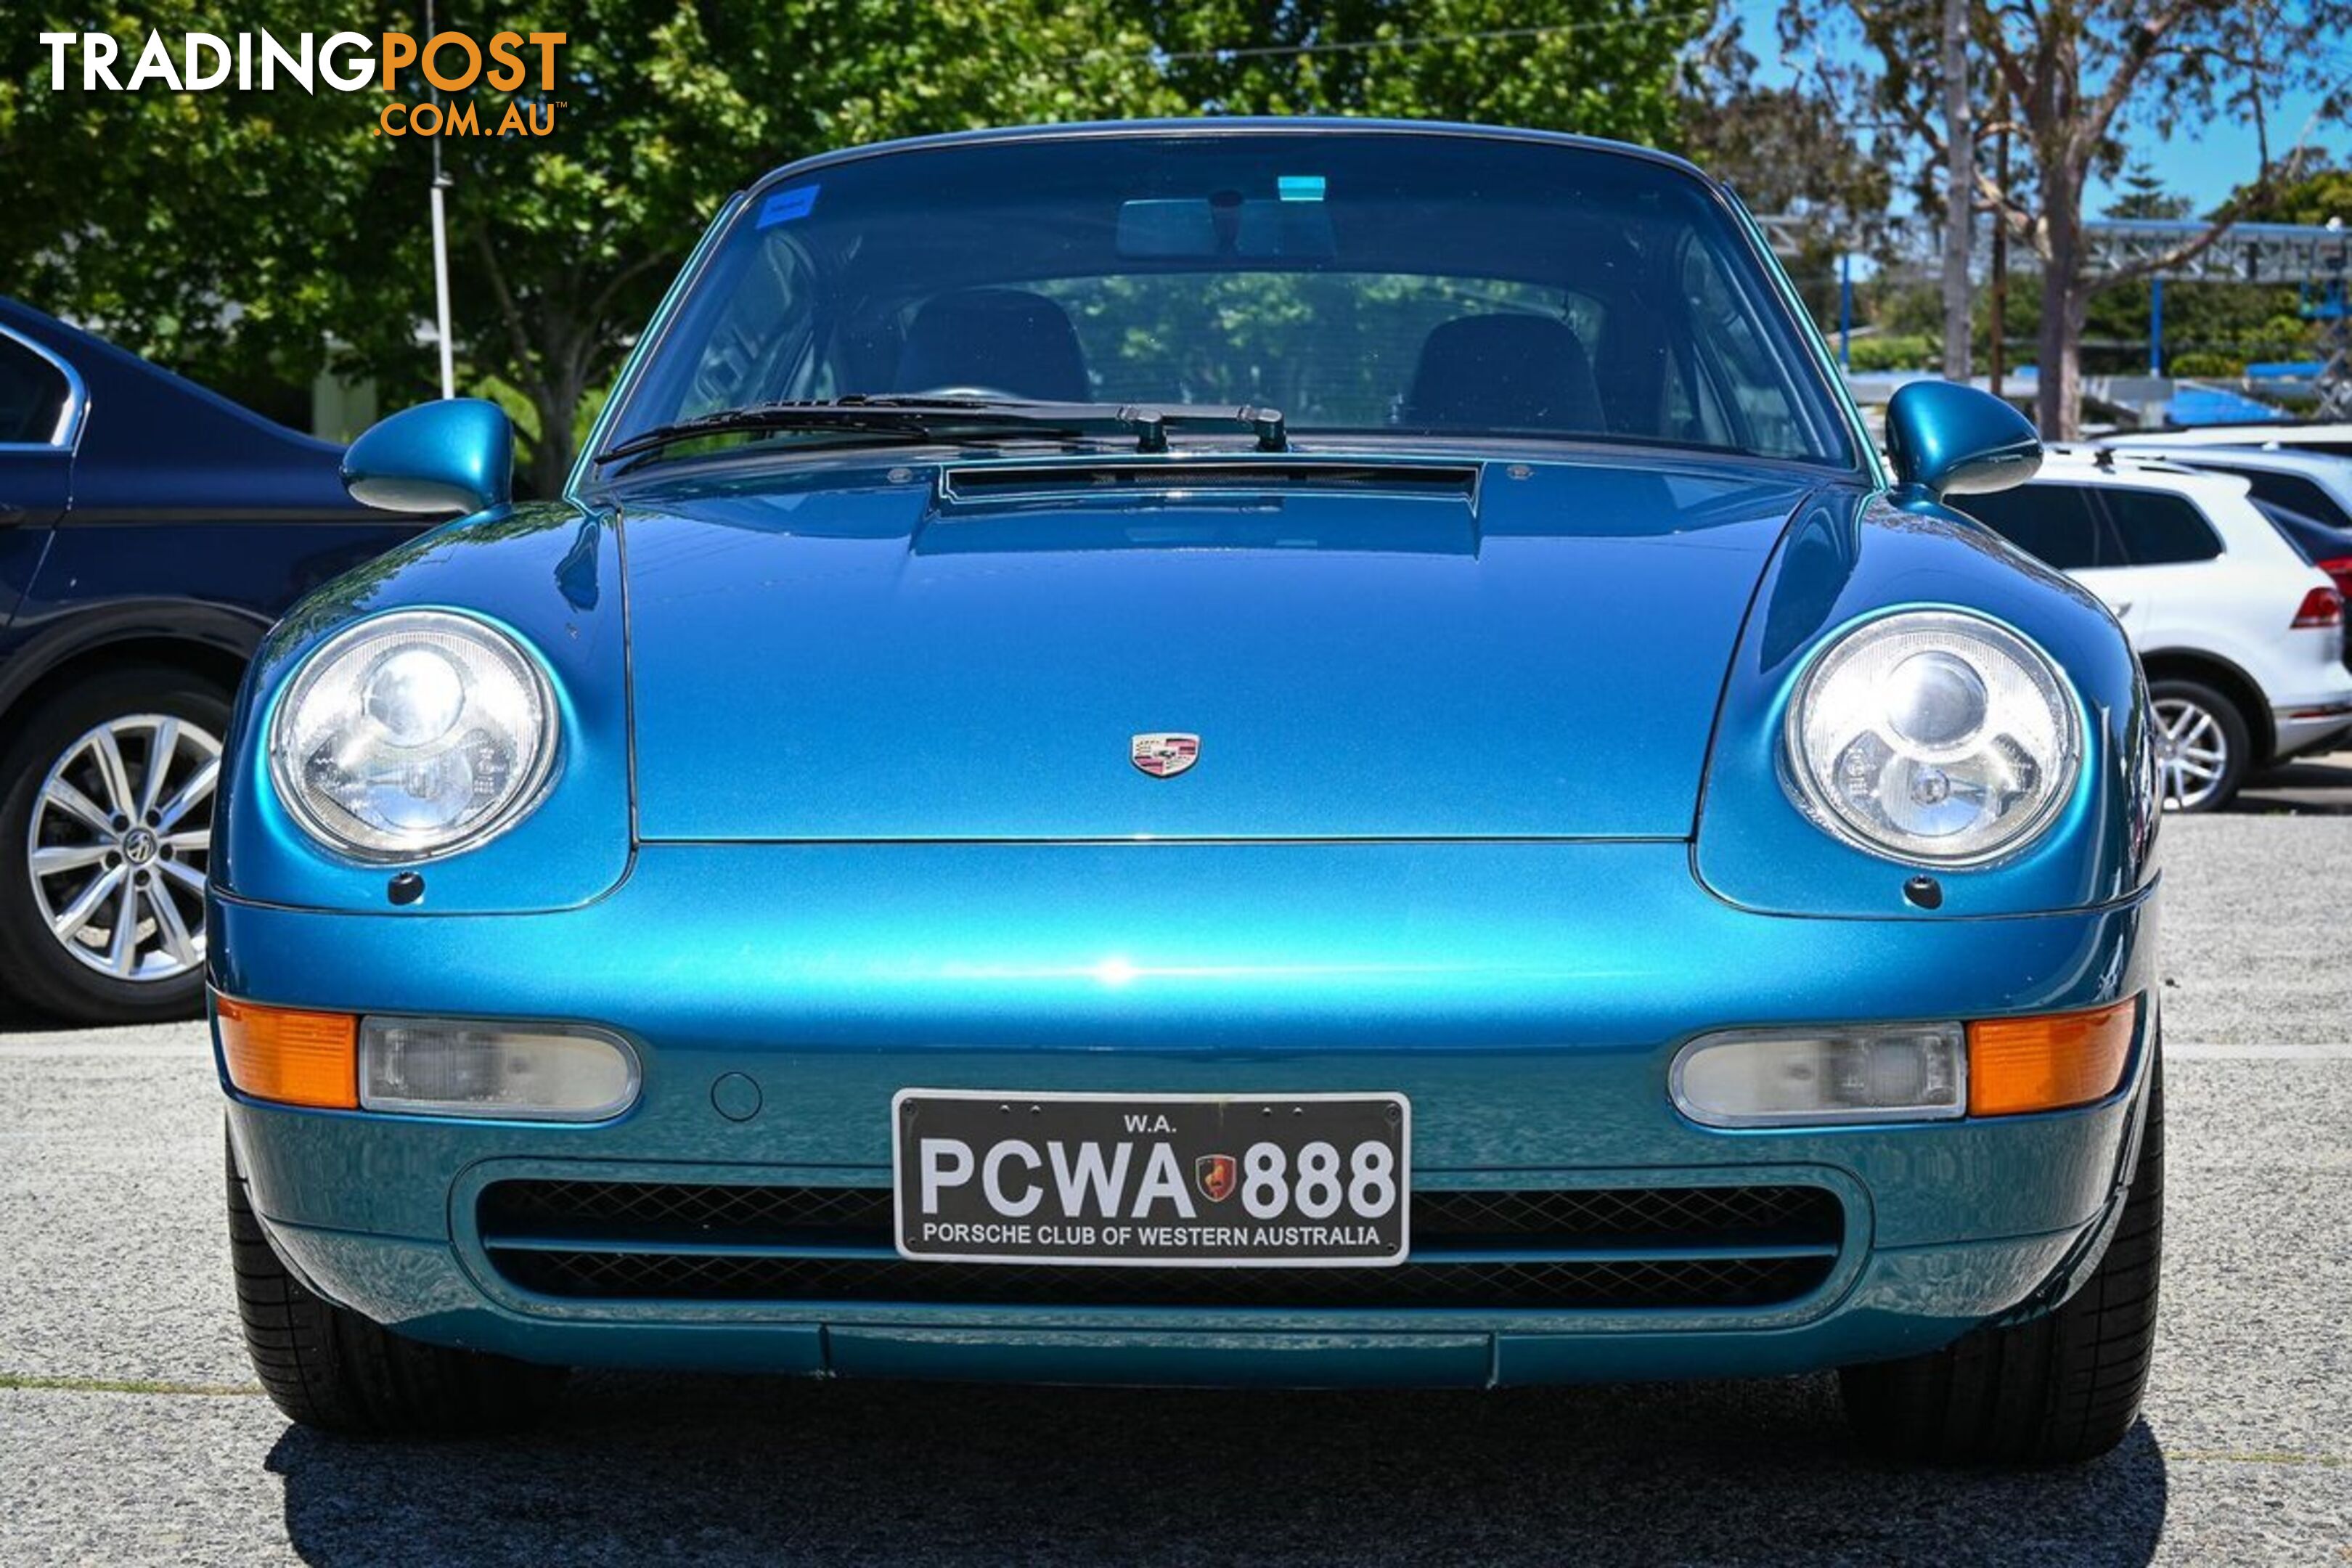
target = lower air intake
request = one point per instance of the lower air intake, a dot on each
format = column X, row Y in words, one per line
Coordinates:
column 1688, row 1247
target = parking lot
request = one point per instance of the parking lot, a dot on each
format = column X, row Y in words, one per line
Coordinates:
column 129, row 1428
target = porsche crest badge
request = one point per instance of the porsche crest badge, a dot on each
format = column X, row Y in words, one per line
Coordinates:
column 1164, row 755
column 1217, row 1175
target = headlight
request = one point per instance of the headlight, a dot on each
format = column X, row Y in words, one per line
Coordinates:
column 1933, row 736
column 413, row 735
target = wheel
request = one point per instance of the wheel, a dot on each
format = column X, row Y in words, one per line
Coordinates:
column 106, row 823
column 2058, row 1389
column 326, row 1366
column 2202, row 745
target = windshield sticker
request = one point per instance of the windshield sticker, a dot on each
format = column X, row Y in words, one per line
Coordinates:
column 1299, row 188
column 786, row 205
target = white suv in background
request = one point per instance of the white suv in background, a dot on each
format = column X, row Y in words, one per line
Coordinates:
column 2334, row 439
column 2300, row 489
column 2242, row 638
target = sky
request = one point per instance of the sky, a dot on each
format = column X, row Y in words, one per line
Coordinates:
column 2204, row 162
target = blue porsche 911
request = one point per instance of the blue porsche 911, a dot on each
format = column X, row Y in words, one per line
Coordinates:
column 1272, row 753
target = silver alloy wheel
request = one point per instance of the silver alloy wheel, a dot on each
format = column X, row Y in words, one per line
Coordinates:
column 2192, row 753
column 120, row 840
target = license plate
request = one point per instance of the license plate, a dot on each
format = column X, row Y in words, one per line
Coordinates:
column 1301, row 1181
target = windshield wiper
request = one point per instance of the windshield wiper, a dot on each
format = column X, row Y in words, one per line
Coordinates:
column 1149, row 421
column 847, row 416
column 916, row 418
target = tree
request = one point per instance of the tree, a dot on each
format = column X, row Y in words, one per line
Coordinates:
column 232, row 233
column 2071, row 75
column 2321, row 195
column 1960, row 166
column 2140, row 194
column 194, row 228
column 1789, row 153
column 1604, row 68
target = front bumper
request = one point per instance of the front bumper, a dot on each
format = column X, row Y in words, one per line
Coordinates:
column 1527, row 997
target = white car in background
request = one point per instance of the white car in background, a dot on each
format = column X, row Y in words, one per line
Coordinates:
column 2332, row 439
column 2307, row 493
column 2241, row 637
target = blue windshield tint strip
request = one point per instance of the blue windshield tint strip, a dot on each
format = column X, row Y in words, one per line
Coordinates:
column 1299, row 188
column 786, row 205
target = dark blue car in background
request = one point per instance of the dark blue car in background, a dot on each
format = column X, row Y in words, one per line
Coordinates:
column 150, row 532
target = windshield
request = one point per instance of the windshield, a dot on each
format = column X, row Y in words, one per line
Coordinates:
column 1364, row 284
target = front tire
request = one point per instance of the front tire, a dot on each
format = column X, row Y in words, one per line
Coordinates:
column 105, row 810
column 328, row 1367
column 2204, row 745
column 2058, row 1389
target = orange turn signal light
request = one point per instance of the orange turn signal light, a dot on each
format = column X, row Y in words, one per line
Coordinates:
column 289, row 1055
column 2049, row 1062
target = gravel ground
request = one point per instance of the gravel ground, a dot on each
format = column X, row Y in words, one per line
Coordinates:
column 130, row 1431
column 2257, row 945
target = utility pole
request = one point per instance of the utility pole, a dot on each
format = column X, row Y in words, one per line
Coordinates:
column 440, row 236
column 1999, row 357
column 1959, row 196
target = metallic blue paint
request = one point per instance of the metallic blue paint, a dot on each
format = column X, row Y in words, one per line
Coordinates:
column 457, row 454
column 1527, row 996
column 1488, row 812
column 1949, row 440
column 1340, row 651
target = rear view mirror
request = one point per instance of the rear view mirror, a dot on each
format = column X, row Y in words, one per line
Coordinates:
column 453, row 456
column 1149, row 231
column 1171, row 227
column 1949, row 440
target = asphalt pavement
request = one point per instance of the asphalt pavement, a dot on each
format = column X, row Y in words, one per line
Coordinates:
column 131, row 1430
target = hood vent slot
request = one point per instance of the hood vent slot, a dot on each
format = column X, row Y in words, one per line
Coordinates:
column 1002, row 484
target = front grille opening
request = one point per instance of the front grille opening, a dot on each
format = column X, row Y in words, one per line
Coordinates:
column 606, row 1276
column 1719, row 1248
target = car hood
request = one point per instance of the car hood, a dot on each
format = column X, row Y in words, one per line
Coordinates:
column 1384, row 650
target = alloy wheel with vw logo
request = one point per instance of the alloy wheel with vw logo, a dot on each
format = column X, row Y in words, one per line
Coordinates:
column 106, row 819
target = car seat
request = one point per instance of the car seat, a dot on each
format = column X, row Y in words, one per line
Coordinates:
column 1504, row 372
column 1007, row 340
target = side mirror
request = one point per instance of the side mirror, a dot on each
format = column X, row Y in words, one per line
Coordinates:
column 453, row 456
column 1949, row 440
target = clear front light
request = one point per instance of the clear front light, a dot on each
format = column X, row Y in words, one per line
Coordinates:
column 1779, row 1078
column 1933, row 736
column 445, row 1067
column 411, row 735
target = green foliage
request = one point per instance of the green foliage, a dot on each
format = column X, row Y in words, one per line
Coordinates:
column 2228, row 321
column 1604, row 68
column 2143, row 195
column 2204, row 324
column 2194, row 363
column 2322, row 194
column 153, row 213
column 232, row 235
column 1895, row 351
